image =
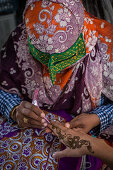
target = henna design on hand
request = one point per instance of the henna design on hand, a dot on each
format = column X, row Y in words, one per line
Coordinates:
column 72, row 142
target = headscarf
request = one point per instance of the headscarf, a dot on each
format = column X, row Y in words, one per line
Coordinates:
column 60, row 33
column 79, row 81
column 54, row 31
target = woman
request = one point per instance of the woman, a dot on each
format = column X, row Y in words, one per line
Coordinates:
column 65, row 55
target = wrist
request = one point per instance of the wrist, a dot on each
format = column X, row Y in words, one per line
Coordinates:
column 88, row 148
column 13, row 112
column 95, row 120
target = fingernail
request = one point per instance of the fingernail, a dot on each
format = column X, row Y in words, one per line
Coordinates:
column 42, row 115
column 67, row 125
column 45, row 124
column 53, row 155
column 43, row 121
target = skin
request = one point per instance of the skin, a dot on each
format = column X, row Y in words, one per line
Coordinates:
column 93, row 146
column 84, row 122
column 36, row 118
column 33, row 114
column 75, row 129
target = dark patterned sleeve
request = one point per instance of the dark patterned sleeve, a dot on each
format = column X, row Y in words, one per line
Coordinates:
column 7, row 102
column 11, row 76
column 105, row 114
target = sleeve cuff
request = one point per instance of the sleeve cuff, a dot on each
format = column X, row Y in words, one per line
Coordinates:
column 104, row 113
column 8, row 102
column 9, row 109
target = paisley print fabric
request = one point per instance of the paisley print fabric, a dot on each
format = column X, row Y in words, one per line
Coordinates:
column 53, row 26
column 77, row 88
column 50, row 27
column 28, row 149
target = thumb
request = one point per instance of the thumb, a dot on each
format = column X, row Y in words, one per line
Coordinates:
column 61, row 154
column 75, row 124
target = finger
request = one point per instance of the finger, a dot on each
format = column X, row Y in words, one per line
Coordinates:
column 34, row 123
column 32, row 107
column 38, row 111
column 67, row 125
column 75, row 118
column 30, row 114
column 26, row 104
column 57, row 124
column 61, row 154
column 75, row 124
column 26, row 109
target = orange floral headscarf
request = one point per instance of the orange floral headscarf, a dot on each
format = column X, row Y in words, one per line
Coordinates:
column 89, row 32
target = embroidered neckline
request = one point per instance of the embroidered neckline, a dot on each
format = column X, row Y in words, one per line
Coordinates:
column 57, row 62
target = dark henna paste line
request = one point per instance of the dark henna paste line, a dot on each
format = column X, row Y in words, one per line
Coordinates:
column 72, row 142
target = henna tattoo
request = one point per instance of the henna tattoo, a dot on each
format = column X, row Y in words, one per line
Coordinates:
column 72, row 142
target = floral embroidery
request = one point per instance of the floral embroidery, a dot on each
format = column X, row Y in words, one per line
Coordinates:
column 44, row 43
column 16, row 157
column 51, row 29
column 47, row 82
column 55, row 22
column 91, row 40
column 4, row 83
column 63, row 17
column 26, row 152
column 89, row 20
column 46, row 3
column 49, row 137
column 12, row 71
column 39, row 28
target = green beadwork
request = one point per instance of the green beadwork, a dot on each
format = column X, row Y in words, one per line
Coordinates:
column 56, row 62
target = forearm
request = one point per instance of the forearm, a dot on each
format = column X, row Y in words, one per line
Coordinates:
column 102, row 151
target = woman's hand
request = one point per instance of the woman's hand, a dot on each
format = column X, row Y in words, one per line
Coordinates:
column 28, row 115
column 84, row 122
column 77, row 143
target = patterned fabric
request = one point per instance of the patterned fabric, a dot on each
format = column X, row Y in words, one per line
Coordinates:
column 7, row 102
column 77, row 89
column 53, row 26
column 104, row 111
column 50, row 28
column 57, row 62
column 103, row 32
column 33, row 148
column 105, row 114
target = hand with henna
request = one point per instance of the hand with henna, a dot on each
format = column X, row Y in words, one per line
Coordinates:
column 85, row 122
column 79, row 143
column 28, row 115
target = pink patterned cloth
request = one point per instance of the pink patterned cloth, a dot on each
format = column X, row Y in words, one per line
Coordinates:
column 61, row 29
